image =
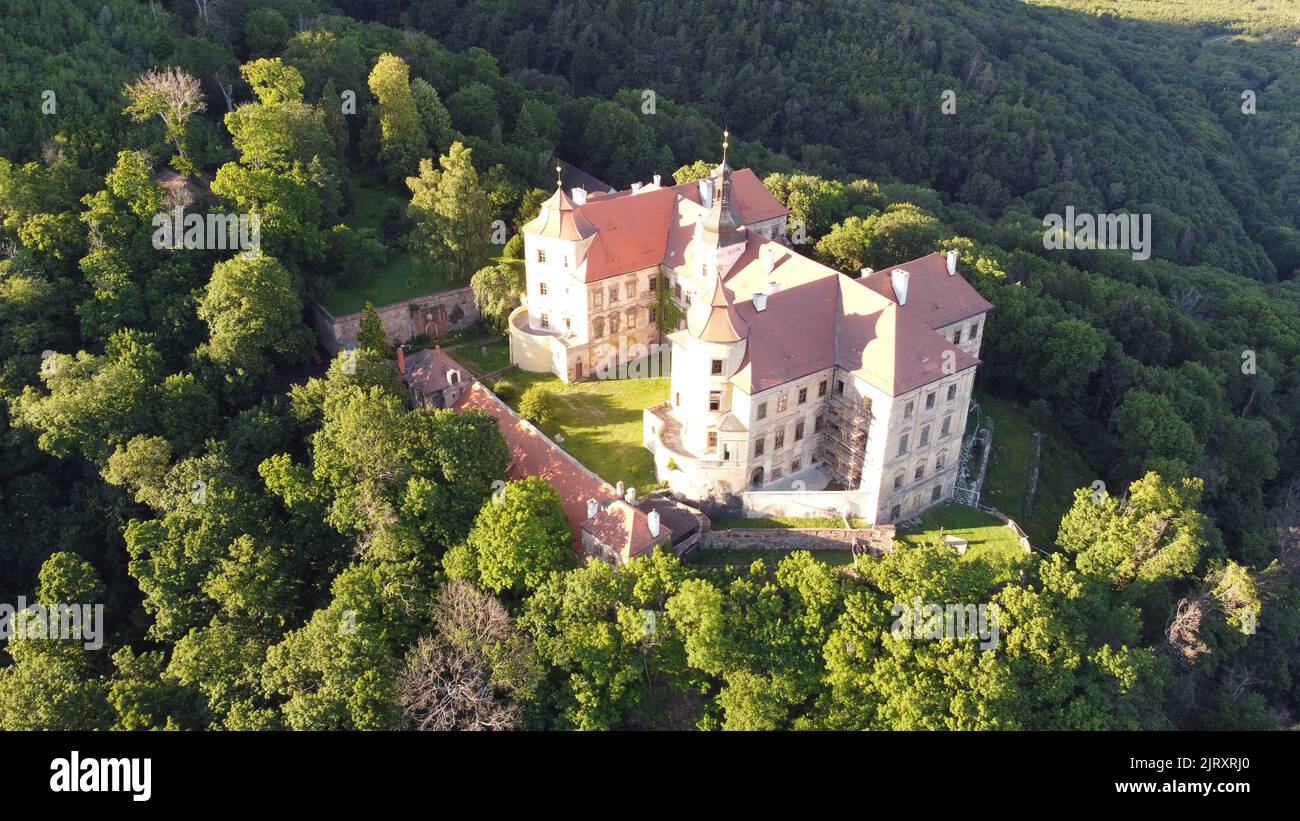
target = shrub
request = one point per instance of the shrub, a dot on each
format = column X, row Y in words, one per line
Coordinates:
column 507, row 390
column 537, row 405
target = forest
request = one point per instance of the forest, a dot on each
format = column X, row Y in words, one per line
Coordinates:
column 281, row 544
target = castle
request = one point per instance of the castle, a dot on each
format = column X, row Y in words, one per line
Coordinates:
column 794, row 389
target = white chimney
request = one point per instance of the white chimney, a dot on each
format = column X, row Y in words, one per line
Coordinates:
column 636, row 188
column 579, row 196
column 592, row 507
column 952, row 263
column 773, row 287
column 652, row 519
column 630, row 496
column 771, row 259
column 866, row 272
column 760, row 302
column 706, row 193
column 618, row 488
column 657, row 179
column 899, row 278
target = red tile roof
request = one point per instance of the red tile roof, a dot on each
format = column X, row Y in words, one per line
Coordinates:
column 817, row 318
column 932, row 295
column 533, row 454
column 632, row 228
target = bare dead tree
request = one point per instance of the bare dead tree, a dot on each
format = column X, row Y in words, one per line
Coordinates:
column 472, row 672
column 171, row 95
column 204, row 6
column 227, row 89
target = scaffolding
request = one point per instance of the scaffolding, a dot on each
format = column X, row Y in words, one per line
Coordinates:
column 842, row 448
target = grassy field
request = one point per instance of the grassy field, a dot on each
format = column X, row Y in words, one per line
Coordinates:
column 1061, row 471
column 990, row 540
column 744, row 558
column 402, row 276
column 601, row 423
column 498, row 356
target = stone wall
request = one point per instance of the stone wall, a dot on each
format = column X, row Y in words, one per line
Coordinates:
column 877, row 539
column 432, row 315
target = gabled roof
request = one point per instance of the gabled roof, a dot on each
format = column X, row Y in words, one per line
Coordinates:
column 932, row 296
column 533, row 454
column 429, row 370
column 816, row 318
column 631, row 229
column 624, row 528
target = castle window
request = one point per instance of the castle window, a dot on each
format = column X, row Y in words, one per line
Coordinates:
column 566, row 260
column 716, row 367
column 956, row 337
column 821, row 388
column 895, row 512
column 946, row 428
column 817, row 424
column 782, row 402
column 839, row 386
column 940, row 460
column 541, row 255
column 715, row 400
column 677, row 291
column 920, row 471
column 546, row 320
column 597, row 299
column 762, row 410
column 758, row 445
column 779, row 440
column 631, row 319
column 952, row 391
column 726, row 453
column 898, row 480
column 652, row 284
column 936, row 493
column 925, row 436
column 908, row 409
column 798, row 430
column 598, row 327
column 613, row 323
column 713, row 439
column 654, row 314
column 902, row 444
column 776, row 474
column 974, row 330
column 613, row 294
column 803, row 395
column 929, row 400
column 796, row 465
column 541, row 288
column 568, row 324
column 629, row 288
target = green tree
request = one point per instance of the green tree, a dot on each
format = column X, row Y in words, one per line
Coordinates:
column 370, row 334
column 521, row 536
column 451, row 211
column 173, row 96
column 402, row 138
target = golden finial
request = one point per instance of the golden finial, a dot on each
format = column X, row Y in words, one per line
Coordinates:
column 559, row 178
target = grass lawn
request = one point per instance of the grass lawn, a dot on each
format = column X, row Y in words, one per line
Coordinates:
column 744, row 558
column 990, row 540
column 1061, row 471
column 601, row 423
column 402, row 276
column 498, row 356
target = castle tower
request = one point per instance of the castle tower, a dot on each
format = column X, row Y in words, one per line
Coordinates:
column 720, row 236
column 704, row 358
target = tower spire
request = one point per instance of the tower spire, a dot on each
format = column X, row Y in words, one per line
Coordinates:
column 725, row 137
